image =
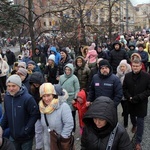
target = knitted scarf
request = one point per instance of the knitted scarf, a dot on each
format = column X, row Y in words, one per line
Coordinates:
column 49, row 108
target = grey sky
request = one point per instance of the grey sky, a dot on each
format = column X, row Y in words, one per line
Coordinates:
column 136, row 2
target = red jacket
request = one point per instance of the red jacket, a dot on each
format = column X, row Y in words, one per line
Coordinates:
column 82, row 108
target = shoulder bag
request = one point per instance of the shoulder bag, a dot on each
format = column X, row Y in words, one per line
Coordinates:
column 57, row 142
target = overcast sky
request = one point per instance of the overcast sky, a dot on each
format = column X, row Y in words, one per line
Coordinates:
column 135, row 2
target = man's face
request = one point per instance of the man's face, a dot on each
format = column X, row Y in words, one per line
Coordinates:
column 30, row 66
column 104, row 70
column 136, row 67
column 117, row 46
column 37, row 51
column 140, row 48
column 12, row 88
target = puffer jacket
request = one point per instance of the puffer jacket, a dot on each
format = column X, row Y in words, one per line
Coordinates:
column 82, row 73
column 94, row 138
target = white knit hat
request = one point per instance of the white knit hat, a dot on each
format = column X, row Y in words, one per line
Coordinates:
column 51, row 57
column 124, row 61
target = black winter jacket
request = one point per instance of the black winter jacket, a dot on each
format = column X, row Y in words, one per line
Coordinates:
column 116, row 56
column 94, row 138
column 137, row 86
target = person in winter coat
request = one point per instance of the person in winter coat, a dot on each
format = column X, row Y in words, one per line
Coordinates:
column 136, row 89
column 116, row 55
column 70, row 83
column 123, row 69
column 91, row 56
column 101, row 53
column 33, row 67
column 36, row 80
column 10, row 59
column 105, row 83
column 94, row 70
column 3, row 74
column 57, row 54
column 65, row 59
column 20, row 113
column 100, row 121
column 131, row 50
column 82, row 72
column 137, row 56
column 143, row 54
column 39, row 58
column 25, row 77
column 57, row 112
column 80, row 105
column 5, row 144
column 50, row 71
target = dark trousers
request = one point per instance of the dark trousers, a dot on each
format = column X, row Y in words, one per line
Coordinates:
column 124, row 104
column 74, row 120
column 3, row 84
column 139, row 123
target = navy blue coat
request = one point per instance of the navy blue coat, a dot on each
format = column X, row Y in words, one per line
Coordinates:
column 21, row 113
column 109, row 86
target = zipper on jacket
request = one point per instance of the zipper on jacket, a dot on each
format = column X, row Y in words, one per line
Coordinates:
column 13, row 115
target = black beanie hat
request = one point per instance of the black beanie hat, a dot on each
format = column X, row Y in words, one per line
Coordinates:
column 64, row 50
column 104, row 63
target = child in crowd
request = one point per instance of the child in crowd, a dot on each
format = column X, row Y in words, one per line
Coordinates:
column 80, row 105
column 91, row 56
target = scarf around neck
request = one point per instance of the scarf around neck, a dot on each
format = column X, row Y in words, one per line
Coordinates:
column 49, row 108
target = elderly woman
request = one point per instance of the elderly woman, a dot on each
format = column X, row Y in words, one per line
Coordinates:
column 57, row 112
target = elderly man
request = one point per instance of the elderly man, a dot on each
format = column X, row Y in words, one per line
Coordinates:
column 21, row 113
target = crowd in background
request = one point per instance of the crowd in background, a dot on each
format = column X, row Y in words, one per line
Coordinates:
column 57, row 81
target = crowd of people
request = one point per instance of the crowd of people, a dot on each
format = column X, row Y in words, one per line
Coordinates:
column 52, row 83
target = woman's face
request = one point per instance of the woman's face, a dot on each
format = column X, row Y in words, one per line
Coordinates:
column 123, row 68
column 67, row 71
column 47, row 98
column 99, row 122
